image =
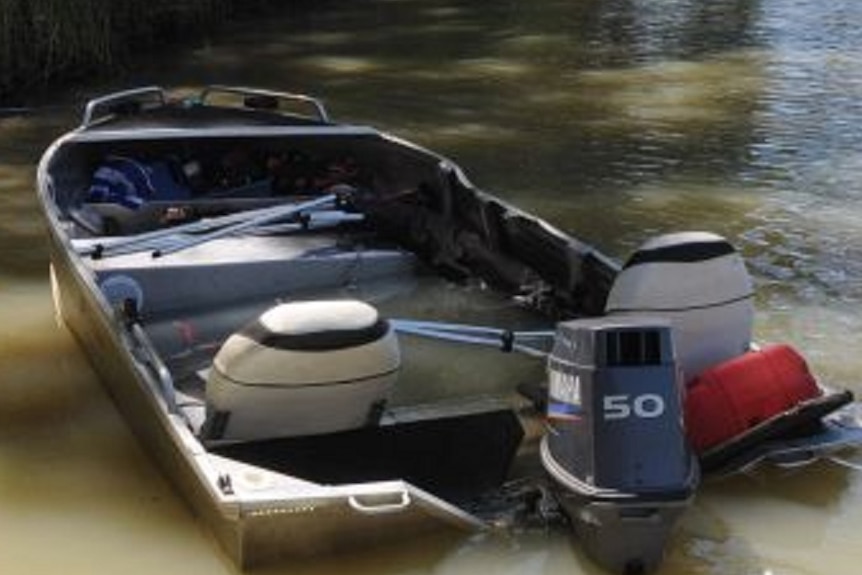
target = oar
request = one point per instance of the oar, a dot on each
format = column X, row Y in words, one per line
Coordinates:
column 505, row 340
column 274, row 214
column 474, row 329
column 316, row 221
column 147, row 240
column 113, row 245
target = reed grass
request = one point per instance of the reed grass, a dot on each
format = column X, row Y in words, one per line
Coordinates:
column 44, row 41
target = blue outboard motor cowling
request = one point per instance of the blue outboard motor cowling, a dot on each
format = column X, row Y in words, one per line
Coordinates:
column 616, row 448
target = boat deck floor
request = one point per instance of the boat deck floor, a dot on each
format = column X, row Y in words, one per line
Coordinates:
column 438, row 420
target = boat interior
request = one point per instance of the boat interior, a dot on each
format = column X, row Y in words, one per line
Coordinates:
column 376, row 220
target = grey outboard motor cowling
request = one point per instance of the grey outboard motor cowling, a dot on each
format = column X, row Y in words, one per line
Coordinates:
column 616, row 448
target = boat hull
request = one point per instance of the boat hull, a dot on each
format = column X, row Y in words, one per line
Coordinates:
column 258, row 518
column 81, row 313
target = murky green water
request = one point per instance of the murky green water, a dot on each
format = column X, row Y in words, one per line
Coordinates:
column 617, row 119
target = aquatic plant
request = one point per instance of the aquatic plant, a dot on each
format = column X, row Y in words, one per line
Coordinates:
column 42, row 41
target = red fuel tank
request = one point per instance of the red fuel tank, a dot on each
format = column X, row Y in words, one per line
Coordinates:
column 734, row 396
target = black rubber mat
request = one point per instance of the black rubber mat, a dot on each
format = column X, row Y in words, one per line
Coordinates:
column 456, row 458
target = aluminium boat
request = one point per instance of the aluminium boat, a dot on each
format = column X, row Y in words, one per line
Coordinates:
column 327, row 336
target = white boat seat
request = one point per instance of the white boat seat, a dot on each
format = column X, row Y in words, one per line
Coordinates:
column 302, row 368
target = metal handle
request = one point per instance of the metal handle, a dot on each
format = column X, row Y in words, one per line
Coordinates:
column 160, row 370
column 367, row 508
column 319, row 108
column 133, row 95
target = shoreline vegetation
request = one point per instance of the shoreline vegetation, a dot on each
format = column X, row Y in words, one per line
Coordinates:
column 49, row 42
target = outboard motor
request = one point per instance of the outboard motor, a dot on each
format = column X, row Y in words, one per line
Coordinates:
column 698, row 281
column 616, row 448
column 302, row 368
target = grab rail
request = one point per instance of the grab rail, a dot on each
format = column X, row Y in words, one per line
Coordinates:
column 378, row 507
column 319, row 108
column 137, row 96
column 128, row 97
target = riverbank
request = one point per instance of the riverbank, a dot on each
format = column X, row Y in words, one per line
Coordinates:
column 48, row 42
